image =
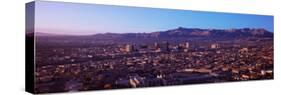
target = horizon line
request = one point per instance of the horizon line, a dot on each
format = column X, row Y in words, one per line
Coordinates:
column 71, row 34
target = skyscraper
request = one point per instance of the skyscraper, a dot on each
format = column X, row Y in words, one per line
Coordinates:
column 215, row 46
column 164, row 47
column 129, row 48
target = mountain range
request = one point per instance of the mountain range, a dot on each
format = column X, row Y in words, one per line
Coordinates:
column 177, row 34
column 196, row 32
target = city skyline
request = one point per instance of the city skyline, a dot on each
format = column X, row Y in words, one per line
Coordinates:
column 142, row 47
column 85, row 19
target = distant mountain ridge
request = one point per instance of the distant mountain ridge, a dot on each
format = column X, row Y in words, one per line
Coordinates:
column 181, row 31
column 196, row 32
column 172, row 35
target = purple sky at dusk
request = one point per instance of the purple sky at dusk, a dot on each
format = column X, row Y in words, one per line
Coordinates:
column 84, row 19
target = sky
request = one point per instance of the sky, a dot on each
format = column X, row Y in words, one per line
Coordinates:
column 85, row 19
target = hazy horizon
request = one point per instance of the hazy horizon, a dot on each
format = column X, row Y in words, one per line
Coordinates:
column 86, row 19
column 78, row 34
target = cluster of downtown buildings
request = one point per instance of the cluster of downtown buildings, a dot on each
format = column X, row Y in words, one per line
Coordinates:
column 144, row 65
